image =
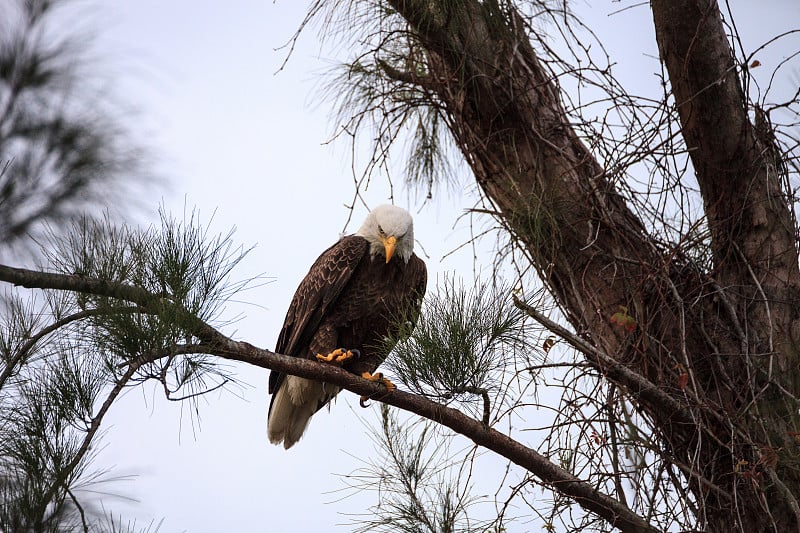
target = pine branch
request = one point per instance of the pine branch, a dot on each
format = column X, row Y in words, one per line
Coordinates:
column 25, row 349
column 79, row 507
column 550, row 474
column 94, row 427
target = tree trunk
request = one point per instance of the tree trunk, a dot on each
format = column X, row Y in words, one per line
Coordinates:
column 755, row 258
column 733, row 331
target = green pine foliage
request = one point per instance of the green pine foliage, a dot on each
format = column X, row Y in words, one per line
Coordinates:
column 63, row 150
column 418, row 481
column 462, row 342
column 66, row 358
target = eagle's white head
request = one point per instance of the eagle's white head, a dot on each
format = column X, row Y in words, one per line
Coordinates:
column 390, row 231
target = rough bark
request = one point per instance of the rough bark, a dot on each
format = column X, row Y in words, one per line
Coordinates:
column 753, row 242
column 734, row 329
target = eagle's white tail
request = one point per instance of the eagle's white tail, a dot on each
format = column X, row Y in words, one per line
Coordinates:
column 294, row 403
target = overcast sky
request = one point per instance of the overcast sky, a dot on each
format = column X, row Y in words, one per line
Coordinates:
column 248, row 148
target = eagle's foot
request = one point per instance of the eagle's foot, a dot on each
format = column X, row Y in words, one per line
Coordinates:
column 338, row 356
column 377, row 377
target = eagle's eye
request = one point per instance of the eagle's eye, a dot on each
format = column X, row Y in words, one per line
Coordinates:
column 380, row 230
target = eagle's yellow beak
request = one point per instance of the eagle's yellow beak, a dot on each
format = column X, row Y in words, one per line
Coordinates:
column 388, row 245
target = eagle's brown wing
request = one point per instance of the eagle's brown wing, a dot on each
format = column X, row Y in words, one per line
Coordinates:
column 314, row 297
column 418, row 274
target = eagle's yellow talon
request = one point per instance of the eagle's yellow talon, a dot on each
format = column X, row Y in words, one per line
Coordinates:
column 338, row 356
column 330, row 357
column 380, row 379
column 344, row 356
column 377, row 377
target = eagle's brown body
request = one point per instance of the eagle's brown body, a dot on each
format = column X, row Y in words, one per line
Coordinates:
column 349, row 299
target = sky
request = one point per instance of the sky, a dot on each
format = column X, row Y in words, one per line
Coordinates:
column 245, row 144
column 248, row 148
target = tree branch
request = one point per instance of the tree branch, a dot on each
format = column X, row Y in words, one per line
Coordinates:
column 79, row 507
column 94, row 427
column 745, row 205
column 404, row 76
column 641, row 387
column 23, row 351
column 613, row 511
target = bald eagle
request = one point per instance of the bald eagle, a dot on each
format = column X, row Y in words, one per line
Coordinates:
column 342, row 311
